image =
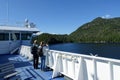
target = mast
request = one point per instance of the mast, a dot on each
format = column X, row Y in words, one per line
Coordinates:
column 7, row 12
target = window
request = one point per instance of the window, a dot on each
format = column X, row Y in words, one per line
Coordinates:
column 4, row 36
column 15, row 36
column 26, row 36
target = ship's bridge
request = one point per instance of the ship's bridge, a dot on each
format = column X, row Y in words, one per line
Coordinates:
column 11, row 38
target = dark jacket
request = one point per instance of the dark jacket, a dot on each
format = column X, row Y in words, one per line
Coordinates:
column 34, row 49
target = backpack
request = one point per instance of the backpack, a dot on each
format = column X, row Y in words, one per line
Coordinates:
column 34, row 49
column 40, row 51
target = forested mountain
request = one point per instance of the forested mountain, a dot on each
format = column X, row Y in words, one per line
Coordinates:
column 100, row 30
column 52, row 38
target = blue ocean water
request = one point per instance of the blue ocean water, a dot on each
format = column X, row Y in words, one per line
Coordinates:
column 109, row 50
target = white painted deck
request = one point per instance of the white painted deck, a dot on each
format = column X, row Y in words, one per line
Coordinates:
column 25, row 68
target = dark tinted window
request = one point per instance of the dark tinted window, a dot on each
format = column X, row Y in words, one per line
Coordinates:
column 26, row 36
column 4, row 36
column 17, row 36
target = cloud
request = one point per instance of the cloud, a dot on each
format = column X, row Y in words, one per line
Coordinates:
column 106, row 16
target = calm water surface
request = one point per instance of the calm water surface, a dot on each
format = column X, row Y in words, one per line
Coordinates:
column 103, row 50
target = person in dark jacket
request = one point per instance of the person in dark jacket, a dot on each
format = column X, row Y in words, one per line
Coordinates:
column 42, row 56
column 34, row 49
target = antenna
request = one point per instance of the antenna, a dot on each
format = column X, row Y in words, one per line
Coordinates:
column 26, row 22
column 7, row 12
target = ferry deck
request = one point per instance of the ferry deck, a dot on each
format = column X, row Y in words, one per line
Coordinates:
column 64, row 66
column 25, row 68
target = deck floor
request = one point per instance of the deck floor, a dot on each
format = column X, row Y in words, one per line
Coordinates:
column 25, row 67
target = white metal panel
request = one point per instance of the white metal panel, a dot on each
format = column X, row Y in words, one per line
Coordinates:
column 70, row 67
column 11, row 28
column 103, row 71
column 14, row 44
column 64, row 61
column 116, row 72
column 76, row 67
column 26, row 42
column 4, row 47
column 90, row 71
column 50, row 59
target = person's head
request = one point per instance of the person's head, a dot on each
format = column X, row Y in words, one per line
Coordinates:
column 46, row 44
column 41, row 43
column 35, row 41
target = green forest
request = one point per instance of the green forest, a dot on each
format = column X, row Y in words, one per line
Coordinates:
column 52, row 38
column 99, row 30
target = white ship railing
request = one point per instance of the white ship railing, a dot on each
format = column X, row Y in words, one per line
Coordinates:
column 78, row 66
column 26, row 52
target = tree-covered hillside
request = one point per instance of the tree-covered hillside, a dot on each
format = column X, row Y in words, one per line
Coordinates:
column 52, row 38
column 99, row 30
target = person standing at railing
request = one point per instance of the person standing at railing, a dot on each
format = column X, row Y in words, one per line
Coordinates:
column 34, row 49
column 42, row 54
column 46, row 49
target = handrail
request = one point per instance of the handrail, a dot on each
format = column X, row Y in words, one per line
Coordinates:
column 79, row 66
column 88, row 56
column 84, row 63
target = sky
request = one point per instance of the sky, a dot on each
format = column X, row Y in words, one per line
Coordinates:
column 56, row 16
